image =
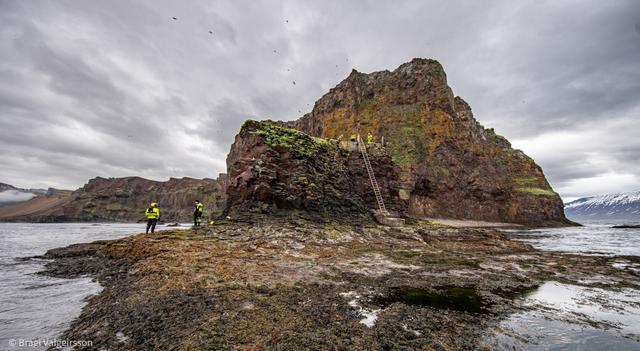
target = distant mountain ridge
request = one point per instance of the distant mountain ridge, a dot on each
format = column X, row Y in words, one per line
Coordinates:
column 118, row 200
column 623, row 206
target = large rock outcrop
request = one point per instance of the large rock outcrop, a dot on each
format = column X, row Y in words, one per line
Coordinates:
column 120, row 200
column 450, row 165
column 277, row 170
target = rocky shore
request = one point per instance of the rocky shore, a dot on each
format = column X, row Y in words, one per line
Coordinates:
column 290, row 284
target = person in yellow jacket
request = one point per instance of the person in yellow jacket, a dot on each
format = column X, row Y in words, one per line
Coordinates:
column 153, row 215
column 369, row 138
column 197, row 213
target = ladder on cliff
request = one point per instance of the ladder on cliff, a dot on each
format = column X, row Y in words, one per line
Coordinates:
column 372, row 177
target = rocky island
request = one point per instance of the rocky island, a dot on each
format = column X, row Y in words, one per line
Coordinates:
column 302, row 264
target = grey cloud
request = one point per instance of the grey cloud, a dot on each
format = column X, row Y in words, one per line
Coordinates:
column 14, row 196
column 116, row 88
column 223, row 123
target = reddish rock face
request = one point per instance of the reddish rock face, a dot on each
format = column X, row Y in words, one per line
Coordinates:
column 124, row 199
column 276, row 170
column 449, row 165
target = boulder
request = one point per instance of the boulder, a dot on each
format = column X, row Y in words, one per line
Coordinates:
column 277, row 170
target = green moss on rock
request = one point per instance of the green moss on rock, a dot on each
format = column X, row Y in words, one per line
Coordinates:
column 527, row 181
column 537, row 191
column 287, row 138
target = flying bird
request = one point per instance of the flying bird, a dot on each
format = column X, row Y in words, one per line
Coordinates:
column 174, row 18
column 210, row 32
column 294, row 82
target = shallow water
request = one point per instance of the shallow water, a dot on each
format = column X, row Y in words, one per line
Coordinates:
column 569, row 317
column 37, row 307
column 594, row 238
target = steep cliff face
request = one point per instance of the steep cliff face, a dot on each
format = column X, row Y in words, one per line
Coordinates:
column 275, row 170
column 450, row 165
column 120, row 199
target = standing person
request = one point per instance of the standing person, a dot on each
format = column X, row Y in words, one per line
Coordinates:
column 153, row 215
column 197, row 213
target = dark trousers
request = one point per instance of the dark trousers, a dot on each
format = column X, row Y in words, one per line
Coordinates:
column 197, row 218
column 151, row 223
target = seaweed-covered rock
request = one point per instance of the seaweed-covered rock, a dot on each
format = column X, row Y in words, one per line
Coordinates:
column 272, row 169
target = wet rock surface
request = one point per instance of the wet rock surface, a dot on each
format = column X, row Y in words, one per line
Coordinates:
column 626, row 226
column 291, row 284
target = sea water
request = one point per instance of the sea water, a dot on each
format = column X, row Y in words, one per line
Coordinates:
column 562, row 316
column 38, row 308
column 593, row 238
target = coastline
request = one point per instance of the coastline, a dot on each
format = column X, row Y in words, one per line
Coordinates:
column 295, row 284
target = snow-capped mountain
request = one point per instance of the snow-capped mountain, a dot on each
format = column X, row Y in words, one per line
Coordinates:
column 613, row 206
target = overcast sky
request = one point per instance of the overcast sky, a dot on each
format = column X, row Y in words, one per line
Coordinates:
column 119, row 88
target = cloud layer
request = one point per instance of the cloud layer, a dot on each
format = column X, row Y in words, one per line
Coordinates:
column 9, row 196
column 117, row 88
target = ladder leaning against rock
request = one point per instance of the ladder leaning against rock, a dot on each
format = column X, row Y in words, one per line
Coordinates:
column 372, row 177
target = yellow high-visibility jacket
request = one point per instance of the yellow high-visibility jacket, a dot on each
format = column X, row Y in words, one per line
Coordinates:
column 200, row 207
column 152, row 213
